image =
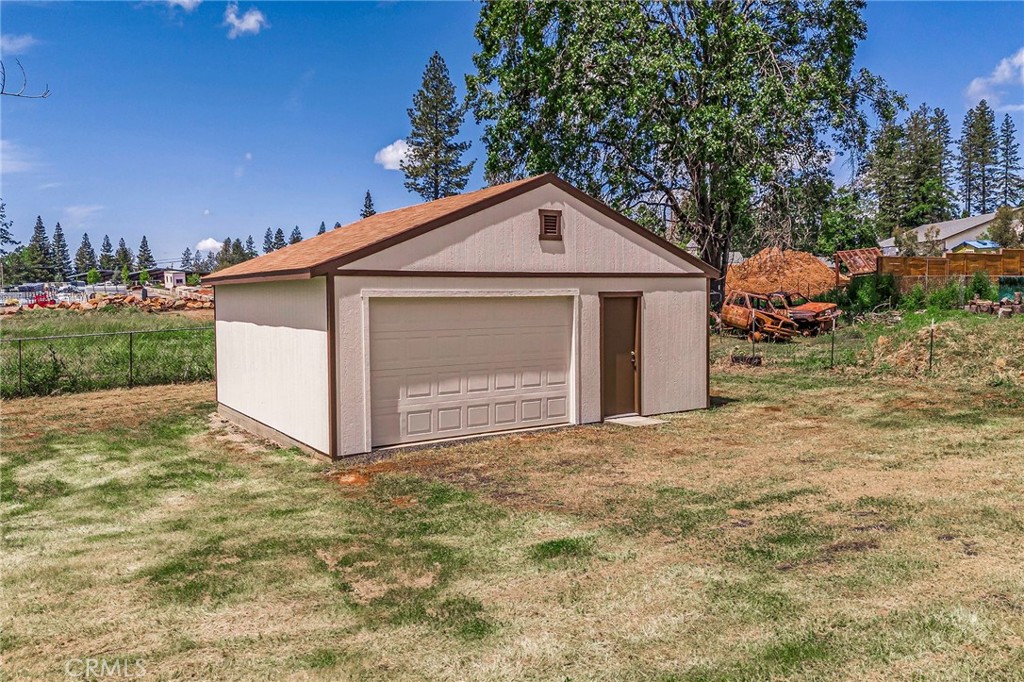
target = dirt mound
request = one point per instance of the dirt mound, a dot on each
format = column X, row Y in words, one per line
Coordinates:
column 776, row 270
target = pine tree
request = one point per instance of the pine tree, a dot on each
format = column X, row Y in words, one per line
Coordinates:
column 39, row 256
column 279, row 241
column 368, row 209
column 323, row 228
column 61, row 255
column 985, row 142
column 106, row 254
column 186, row 259
column 296, row 236
column 1011, row 184
column 965, row 165
column 238, row 252
column 250, row 248
column 433, row 167
column 268, row 241
column 123, row 257
column 6, row 237
column 224, row 255
column 10, row 260
column 145, row 258
column 85, row 257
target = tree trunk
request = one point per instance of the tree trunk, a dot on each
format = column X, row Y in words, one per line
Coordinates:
column 718, row 257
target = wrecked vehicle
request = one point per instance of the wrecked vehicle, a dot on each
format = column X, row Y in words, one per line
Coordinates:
column 811, row 317
column 755, row 315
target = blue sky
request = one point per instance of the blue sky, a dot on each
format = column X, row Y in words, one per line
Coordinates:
column 189, row 120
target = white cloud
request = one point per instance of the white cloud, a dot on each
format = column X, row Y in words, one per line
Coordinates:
column 49, row 185
column 391, row 156
column 80, row 215
column 250, row 23
column 206, row 211
column 1005, row 81
column 187, row 5
column 208, row 244
column 11, row 44
column 14, row 159
column 248, row 156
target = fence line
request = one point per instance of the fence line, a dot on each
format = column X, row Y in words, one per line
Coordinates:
column 44, row 365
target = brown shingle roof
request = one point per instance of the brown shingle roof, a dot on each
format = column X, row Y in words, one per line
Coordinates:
column 358, row 239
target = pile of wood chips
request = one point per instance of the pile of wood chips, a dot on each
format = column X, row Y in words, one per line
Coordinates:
column 774, row 269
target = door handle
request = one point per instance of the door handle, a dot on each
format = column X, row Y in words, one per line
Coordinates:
column 632, row 358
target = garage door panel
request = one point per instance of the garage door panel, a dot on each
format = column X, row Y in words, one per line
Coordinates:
column 445, row 367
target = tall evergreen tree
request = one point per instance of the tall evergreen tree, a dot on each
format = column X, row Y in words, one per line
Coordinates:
column 279, row 240
column 145, row 259
column 6, row 236
column 296, row 236
column 39, row 253
column 368, row 209
column 1011, row 184
column 61, row 255
column 123, row 257
column 985, row 140
column 10, row 258
column 966, row 163
column 186, row 260
column 85, row 257
column 250, row 248
column 433, row 168
column 268, row 241
column 106, row 254
column 238, row 254
column 224, row 257
column 322, row 228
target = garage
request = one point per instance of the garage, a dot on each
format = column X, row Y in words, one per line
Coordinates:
column 518, row 306
column 451, row 367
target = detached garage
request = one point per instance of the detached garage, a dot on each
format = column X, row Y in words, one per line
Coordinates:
column 519, row 306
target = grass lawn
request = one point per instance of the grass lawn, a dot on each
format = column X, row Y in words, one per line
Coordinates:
column 812, row 525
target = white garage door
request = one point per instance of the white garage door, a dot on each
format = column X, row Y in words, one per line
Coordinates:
column 448, row 367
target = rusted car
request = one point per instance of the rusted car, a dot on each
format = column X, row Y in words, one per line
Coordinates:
column 811, row 317
column 755, row 315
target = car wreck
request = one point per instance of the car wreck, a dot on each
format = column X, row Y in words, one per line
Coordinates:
column 755, row 315
column 811, row 317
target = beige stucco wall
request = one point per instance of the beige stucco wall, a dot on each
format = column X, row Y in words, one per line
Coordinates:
column 272, row 356
column 504, row 238
column 673, row 352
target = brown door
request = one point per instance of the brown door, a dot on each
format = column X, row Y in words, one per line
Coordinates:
column 620, row 361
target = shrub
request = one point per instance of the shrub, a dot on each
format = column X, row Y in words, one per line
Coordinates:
column 949, row 296
column 864, row 294
column 981, row 285
column 915, row 298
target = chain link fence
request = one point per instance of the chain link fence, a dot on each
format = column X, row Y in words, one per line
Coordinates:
column 86, row 362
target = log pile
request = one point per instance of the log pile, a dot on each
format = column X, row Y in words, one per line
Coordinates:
column 151, row 304
column 1007, row 307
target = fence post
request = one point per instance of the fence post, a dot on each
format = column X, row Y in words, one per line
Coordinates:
column 131, row 359
column 20, row 392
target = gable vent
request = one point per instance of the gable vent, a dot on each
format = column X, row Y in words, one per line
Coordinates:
column 550, row 224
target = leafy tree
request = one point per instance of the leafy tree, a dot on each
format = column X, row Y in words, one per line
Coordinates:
column 106, row 254
column 145, row 258
column 279, row 241
column 1010, row 182
column 691, row 107
column 85, row 257
column 433, row 167
column 250, row 248
column 186, row 259
column 125, row 273
column 193, row 279
column 846, row 223
column 143, row 276
column 39, row 259
column 123, row 257
column 6, row 237
column 268, row 241
column 368, row 209
column 296, row 236
column 92, row 276
column 322, row 229
column 1006, row 228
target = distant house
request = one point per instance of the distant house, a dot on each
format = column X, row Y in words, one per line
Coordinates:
column 948, row 234
column 976, row 246
column 174, row 278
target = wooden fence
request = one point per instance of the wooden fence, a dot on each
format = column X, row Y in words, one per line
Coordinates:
column 935, row 271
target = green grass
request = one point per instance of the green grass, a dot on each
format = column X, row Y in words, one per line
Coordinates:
column 85, row 363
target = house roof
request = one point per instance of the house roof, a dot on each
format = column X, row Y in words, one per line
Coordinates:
column 947, row 229
column 979, row 244
column 319, row 254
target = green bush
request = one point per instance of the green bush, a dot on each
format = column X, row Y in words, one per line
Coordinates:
column 981, row 285
column 915, row 299
column 865, row 294
column 949, row 296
